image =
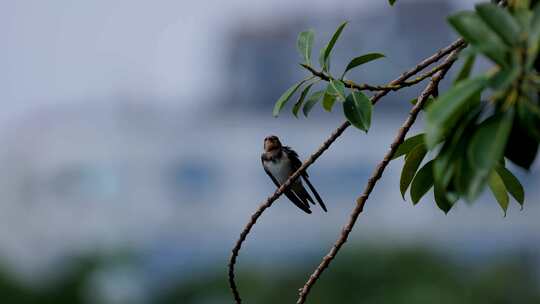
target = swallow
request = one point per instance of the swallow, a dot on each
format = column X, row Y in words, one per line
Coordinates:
column 280, row 162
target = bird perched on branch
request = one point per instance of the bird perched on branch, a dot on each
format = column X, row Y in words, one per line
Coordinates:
column 280, row 162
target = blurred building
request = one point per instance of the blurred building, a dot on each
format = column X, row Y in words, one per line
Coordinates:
column 264, row 60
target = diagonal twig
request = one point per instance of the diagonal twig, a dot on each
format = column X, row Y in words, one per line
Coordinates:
column 376, row 175
column 398, row 84
column 333, row 137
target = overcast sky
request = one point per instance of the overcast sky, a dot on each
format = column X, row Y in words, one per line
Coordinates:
column 56, row 52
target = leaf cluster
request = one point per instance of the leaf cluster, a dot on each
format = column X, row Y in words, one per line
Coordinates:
column 474, row 127
column 471, row 137
column 357, row 107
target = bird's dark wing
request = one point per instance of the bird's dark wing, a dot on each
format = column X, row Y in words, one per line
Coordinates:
column 295, row 164
column 289, row 193
column 317, row 196
column 293, row 157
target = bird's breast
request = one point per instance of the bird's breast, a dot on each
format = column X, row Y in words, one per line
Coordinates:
column 280, row 168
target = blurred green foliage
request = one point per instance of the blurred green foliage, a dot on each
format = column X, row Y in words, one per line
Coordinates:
column 403, row 275
column 381, row 276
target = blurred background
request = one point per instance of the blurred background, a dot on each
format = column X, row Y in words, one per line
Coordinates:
column 131, row 134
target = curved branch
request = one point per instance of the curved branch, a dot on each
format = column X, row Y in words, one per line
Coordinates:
column 360, row 201
column 270, row 200
column 335, row 135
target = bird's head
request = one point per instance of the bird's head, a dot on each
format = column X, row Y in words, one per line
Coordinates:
column 271, row 143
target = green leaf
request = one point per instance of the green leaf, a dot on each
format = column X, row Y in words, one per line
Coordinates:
column 443, row 114
column 523, row 15
column 447, row 163
column 328, row 48
column 412, row 162
column 336, row 88
column 328, row 101
column 522, row 146
column 489, row 141
column 443, row 166
column 498, row 189
column 471, row 27
column 312, row 101
column 500, row 21
column 408, row 144
column 300, row 101
column 529, row 114
column 392, row 2
column 305, row 45
column 466, row 68
column 357, row 109
column 512, row 184
column 519, row 5
column 534, row 36
column 441, row 199
column 467, row 180
column 504, row 78
column 358, row 61
column 285, row 97
column 422, row 182
column 324, row 62
column 534, row 32
column 486, row 149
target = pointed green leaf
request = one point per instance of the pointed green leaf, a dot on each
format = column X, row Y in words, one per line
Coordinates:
column 357, row 109
column 534, row 36
column 529, row 115
column 486, row 149
column 300, row 101
column 498, row 189
column 361, row 60
column 504, row 78
column 285, row 97
column 337, row 88
column 534, row 33
column 468, row 181
column 408, row 144
column 489, row 141
column 471, row 27
column 466, row 68
column 500, row 21
column 305, row 45
column 442, row 114
column 312, row 101
column 522, row 146
column 447, row 162
column 441, row 199
column 422, row 182
column 324, row 62
column 443, row 166
column 412, row 162
column 328, row 48
column 512, row 184
column 328, row 101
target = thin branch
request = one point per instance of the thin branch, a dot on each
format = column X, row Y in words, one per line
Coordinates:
column 270, row 200
column 360, row 201
column 393, row 86
column 368, row 87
